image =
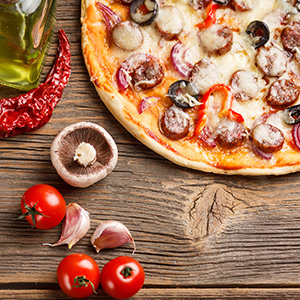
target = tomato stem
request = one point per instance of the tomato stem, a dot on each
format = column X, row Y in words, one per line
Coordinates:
column 80, row 281
column 31, row 211
column 126, row 272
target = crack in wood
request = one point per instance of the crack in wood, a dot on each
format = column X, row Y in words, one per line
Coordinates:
column 210, row 208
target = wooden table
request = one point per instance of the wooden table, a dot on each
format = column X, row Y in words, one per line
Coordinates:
column 198, row 235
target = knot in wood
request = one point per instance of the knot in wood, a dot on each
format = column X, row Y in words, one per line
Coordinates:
column 210, row 208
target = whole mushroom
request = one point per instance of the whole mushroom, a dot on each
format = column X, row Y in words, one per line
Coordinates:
column 83, row 153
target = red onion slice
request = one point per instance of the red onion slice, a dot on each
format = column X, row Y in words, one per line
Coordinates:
column 123, row 75
column 296, row 135
column 179, row 59
column 146, row 103
column 261, row 153
column 110, row 17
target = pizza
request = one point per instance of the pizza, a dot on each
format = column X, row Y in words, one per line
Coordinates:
column 209, row 85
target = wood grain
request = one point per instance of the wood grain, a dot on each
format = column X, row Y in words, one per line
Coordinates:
column 198, row 235
column 171, row 294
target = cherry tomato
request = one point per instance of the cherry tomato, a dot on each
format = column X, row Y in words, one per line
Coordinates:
column 43, row 206
column 122, row 277
column 78, row 275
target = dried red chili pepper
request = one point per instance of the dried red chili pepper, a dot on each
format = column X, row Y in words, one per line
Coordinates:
column 32, row 110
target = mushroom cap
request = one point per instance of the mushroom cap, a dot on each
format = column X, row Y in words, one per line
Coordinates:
column 63, row 149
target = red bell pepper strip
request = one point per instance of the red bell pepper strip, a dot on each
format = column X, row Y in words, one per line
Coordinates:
column 211, row 16
column 227, row 110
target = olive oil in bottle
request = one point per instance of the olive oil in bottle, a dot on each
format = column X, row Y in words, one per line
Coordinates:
column 25, row 31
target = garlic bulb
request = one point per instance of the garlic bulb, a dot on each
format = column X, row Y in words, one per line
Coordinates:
column 75, row 226
column 111, row 234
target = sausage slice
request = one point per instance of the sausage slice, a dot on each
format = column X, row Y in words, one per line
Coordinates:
column 148, row 74
column 243, row 5
column 127, row 36
column 267, row 138
column 230, row 133
column 200, row 4
column 169, row 22
column 282, row 93
column 174, row 123
column 216, row 39
column 290, row 37
column 244, row 85
column 271, row 61
column 205, row 74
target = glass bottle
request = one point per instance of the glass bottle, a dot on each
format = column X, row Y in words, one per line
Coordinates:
column 25, row 31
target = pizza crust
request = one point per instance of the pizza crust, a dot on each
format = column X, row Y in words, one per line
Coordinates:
column 145, row 127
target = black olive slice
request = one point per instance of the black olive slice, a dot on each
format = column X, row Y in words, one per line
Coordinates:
column 143, row 12
column 259, row 33
column 183, row 94
column 221, row 2
column 291, row 115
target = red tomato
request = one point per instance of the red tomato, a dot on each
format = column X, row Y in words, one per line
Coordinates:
column 43, row 206
column 122, row 277
column 78, row 275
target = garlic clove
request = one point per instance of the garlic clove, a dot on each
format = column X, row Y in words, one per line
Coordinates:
column 75, row 226
column 111, row 234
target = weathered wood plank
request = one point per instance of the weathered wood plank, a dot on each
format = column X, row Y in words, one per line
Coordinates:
column 255, row 244
column 170, row 294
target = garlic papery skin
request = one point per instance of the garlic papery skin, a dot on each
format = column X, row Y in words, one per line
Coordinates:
column 85, row 154
column 111, row 234
column 75, row 226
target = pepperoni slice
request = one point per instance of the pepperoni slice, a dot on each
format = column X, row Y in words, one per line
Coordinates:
column 267, row 138
column 282, row 93
column 174, row 123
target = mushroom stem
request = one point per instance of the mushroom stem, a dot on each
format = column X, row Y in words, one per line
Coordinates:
column 85, row 154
